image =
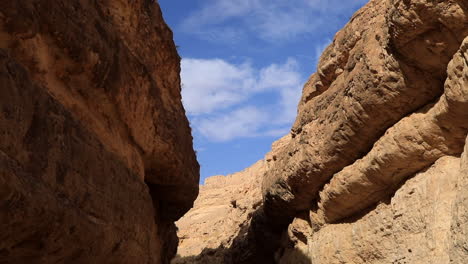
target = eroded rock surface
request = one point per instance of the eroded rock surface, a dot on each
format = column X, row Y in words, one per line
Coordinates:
column 389, row 61
column 459, row 241
column 370, row 211
column 96, row 156
column 413, row 226
column 216, row 229
column 224, row 206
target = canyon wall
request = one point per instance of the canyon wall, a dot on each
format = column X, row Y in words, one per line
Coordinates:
column 373, row 171
column 96, row 156
column 222, row 215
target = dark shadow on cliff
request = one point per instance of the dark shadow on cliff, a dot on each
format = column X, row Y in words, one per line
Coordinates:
column 257, row 242
column 223, row 255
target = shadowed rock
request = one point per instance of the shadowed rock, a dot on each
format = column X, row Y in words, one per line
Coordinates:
column 95, row 149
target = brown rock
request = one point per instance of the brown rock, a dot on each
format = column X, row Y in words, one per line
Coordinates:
column 389, row 61
column 459, row 231
column 409, row 146
column 411, row 227
column 218, row 229
column 95, row 149
column 370, row 213
column 224, row 206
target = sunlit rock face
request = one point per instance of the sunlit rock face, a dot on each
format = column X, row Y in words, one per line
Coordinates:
column 96, row 156
column 222, row 214
column 373, row 171
column 389, row 62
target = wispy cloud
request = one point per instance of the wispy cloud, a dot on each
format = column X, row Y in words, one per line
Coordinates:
column 270, row 20
column 218, row 97
column 214, row 84
column 242, row 122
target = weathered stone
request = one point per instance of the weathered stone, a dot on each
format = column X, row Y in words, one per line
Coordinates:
column 96, row 156
column 389, row 61
column 411, row 227
column 412, row 221
column 218, row 228
column 459, row 232
column 411, row 145
column 224, row 206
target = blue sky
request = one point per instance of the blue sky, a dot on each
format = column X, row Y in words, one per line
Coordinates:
column 244, row 63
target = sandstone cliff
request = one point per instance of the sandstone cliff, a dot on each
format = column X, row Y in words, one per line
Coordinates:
column 96, row 156
column 225, row 205
column 222, row 214
column 373, row 171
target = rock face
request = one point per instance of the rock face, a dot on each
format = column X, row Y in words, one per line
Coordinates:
column 368, row 210
column 413, row 226
column 459, row 242
column 388, row 62
column 225, row 205
column 373, row 171
column 216, row 229
column 96, row 156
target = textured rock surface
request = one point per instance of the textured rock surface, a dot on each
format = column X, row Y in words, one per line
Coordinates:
column 411, row 227
column 96, row 157
column 407, row 147
column 389, row 61
column 216, row 229
column 224, row 206
column 459, row 241
column 424, row 221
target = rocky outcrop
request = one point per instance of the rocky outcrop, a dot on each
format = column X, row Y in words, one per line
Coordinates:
column 413, row 226
column 225, row 205
column 217, row 229
column 95, row 150
column 373, row 171
column 394, row 204
column 459, row 242
column 407, row 147
column 388, row 62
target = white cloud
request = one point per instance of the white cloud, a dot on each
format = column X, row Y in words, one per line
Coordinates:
column 222, row 99
column 277, row 76
column 243, row 122
column 214, row 84
column 271, row 20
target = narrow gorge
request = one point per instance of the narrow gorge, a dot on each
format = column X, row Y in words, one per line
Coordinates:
column 372, row 171
column 97, row 163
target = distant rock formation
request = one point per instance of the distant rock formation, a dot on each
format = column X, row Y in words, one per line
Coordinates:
column 373, row 171
column 224, row 206
column 96, row 156
column 222, row 213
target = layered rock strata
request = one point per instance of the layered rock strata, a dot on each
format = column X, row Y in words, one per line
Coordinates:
column 396, row 203
column 413, row 226
column 95, row 149
column 389, row 61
